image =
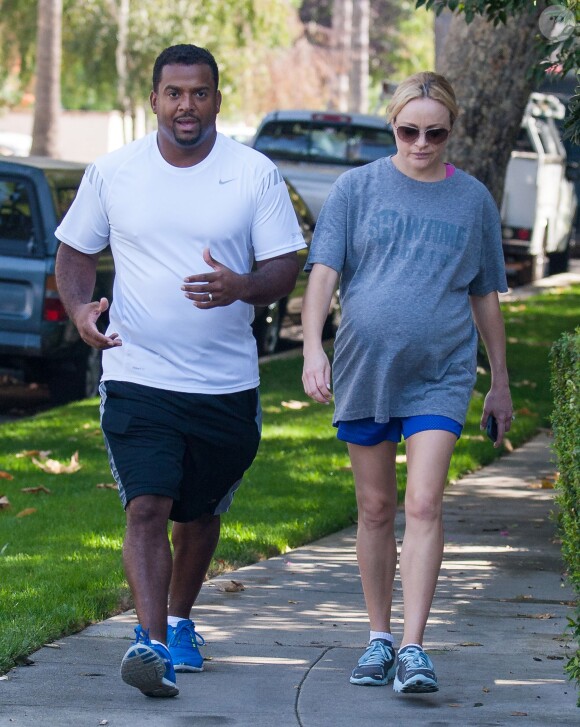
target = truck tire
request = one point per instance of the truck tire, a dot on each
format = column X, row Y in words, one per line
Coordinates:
column 267, row 328
column 76, row 378
column 559, row 262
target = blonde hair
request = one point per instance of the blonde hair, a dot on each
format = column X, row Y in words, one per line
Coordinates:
column 424, row 85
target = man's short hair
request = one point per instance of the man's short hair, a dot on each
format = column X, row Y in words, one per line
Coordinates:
column 186, row 55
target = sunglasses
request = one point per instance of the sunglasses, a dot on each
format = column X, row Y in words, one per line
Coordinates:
column 410, row 134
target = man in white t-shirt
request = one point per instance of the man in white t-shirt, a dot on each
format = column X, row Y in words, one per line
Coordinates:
column 201, row 229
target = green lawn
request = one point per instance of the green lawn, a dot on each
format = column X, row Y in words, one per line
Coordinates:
column 60, row 565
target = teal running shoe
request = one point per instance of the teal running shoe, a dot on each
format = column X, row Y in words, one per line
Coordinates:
column 376, row 666
column 148, row 667
column 183, row 643
column 415, row 673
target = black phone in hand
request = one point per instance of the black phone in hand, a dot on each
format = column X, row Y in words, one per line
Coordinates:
column 491, row 428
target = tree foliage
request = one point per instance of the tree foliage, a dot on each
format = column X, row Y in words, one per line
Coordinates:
column 401, row 39
column 238, row 32
column 560, row 56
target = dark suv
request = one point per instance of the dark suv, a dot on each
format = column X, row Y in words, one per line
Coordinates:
column 37, row 340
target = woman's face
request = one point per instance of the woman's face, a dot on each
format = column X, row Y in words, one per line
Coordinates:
column 422, row 157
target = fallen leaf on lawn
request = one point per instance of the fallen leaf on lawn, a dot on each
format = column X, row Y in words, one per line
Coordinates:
column 536, row 615
column 4, row 502
column 485, row 690
column 293, row 404
column 478, row 704
column 233, row 587
column 107, row 486
column 470, row 643
column 40, row 453
column 525, row 412
column 26, row 511
column 292, row 601
column 547, row 484
column 5, row 475
column 54, row 467
column 553, row 657
column 52, row 646
column 454, row 705
column 35, row 490
column 104, row 721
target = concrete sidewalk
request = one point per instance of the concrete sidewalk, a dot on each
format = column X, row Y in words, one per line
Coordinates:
column 280, row 652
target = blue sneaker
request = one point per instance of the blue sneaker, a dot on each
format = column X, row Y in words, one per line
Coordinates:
column 183, row 643
column 415, row 673
column 376, row 666
column 149, row 667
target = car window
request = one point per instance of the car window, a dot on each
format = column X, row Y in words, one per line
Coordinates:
column 64, row 197
column 16, row 217
column 324, row 142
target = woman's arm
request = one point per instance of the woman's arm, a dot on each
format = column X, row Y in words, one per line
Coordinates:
column 316, row 374
column 489, row 321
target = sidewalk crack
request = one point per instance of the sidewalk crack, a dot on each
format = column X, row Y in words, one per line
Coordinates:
column 304, row 677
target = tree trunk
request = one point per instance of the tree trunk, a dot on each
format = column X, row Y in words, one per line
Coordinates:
column 489, row 67
column 342, row 30
column 359, row 76
column 122, row 9
column 48, row 61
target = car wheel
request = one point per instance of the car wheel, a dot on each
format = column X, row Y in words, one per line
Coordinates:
column 93, row 369
column 75, row 378
column 559, row 262
column 267, row 328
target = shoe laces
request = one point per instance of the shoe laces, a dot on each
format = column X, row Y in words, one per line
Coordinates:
column 376, row 653
column 414, row 658
column 142, row 635
column 186, row 630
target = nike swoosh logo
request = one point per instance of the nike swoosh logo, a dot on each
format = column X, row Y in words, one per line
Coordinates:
column 225, row 181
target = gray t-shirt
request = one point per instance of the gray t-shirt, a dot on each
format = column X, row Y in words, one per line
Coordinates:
column 409, row 254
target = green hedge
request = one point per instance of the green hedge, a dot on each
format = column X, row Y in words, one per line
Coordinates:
column 565, row 363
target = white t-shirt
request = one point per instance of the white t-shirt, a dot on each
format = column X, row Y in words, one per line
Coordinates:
column 158, row 219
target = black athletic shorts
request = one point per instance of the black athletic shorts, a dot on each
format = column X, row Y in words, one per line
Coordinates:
column 193, row 448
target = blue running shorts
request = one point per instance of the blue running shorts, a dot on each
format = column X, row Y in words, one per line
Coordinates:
column 368, row 432
column 193, row 448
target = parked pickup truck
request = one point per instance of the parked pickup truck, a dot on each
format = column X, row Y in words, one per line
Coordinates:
column 539, row 202
column 312, row 148
column 38, row 342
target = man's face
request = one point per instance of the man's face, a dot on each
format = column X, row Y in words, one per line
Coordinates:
column 186, row 104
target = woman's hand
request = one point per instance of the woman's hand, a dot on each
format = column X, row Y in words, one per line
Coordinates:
column 498, row 403
column 316, row 377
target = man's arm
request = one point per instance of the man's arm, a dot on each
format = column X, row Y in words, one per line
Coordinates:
column 273, row 279
column 76, row 273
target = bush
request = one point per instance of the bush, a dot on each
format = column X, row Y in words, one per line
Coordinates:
column 565, row 366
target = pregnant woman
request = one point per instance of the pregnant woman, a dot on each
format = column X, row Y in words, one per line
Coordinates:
column 417, row 246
